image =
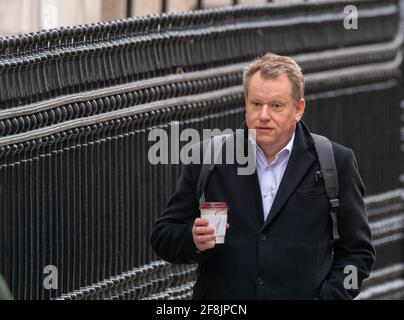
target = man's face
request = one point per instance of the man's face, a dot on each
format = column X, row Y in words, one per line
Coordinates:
column 271, row 111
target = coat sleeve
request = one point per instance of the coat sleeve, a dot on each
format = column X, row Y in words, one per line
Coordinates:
column 171, row 236
column 354, row 250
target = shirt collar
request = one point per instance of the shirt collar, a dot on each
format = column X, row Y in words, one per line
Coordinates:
column 287, row 150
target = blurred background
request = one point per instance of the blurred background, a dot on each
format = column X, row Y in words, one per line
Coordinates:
column 23, row 16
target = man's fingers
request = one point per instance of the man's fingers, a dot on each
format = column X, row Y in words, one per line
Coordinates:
column 227, row 226
column 205, row 238
column 201, row 222
column 204, row 235
column 204, row 230
column 206, row 246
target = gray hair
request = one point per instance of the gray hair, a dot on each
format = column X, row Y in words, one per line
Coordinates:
column 271, row 66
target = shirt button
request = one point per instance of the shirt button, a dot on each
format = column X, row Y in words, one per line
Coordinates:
column 263, row 237
column 260, row 281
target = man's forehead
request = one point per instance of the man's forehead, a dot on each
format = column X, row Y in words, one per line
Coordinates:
column 278, row 86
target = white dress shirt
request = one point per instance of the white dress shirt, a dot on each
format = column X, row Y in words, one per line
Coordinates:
column 270, row 174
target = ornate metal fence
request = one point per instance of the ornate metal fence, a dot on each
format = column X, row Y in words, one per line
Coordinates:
column 77, row 191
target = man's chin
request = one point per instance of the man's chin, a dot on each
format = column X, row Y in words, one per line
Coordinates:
column 262, row 141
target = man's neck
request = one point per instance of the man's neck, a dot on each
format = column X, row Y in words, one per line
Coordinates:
column 270, row 152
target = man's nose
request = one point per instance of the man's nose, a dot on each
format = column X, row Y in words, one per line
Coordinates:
column 265, row 113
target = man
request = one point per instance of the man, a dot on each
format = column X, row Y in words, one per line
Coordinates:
column 278, row 244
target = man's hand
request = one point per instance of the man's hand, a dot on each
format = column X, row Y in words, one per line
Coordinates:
column 202, row 234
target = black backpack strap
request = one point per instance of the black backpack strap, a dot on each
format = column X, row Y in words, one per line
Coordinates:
column 215, row 144
column 329, row 173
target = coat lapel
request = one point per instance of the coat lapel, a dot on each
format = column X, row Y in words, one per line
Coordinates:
column 300, row 161
column 249, row 187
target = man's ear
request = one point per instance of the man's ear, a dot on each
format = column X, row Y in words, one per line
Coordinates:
column 301, row 105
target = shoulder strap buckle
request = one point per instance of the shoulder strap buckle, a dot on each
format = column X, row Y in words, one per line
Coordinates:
column 334, row 203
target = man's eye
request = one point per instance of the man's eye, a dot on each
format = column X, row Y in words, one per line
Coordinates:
column 256, row 104
column 277, row 105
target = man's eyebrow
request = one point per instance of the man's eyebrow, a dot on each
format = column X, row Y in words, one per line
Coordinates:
column 277, row 100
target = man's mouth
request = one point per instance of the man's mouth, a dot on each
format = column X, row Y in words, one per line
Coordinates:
column 264, row 128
